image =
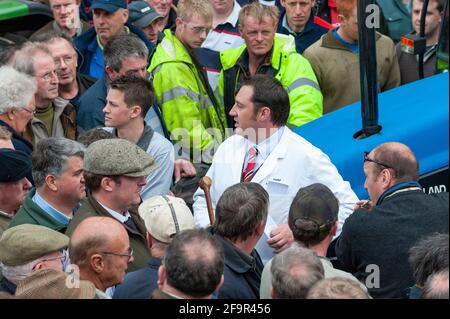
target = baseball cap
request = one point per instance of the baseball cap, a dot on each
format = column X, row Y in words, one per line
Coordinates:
column 141, row 14
column 110, row 6
column 24, row 243
column 118, row 157
column 165, row 216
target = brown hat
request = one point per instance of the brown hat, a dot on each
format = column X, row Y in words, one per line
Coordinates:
column 165, row 216
column 24, row 243
column 54, row 284
column 314, row 203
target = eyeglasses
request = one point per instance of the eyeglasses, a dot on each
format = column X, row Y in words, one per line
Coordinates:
column 32, row 112
column 367, row 159
column 198, row 30
column 68, row 59
column 128, row 254
column 48, row 76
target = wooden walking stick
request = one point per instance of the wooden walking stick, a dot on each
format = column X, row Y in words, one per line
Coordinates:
column 205, row 184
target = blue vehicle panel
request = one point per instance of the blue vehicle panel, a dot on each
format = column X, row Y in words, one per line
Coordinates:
column 415, row 114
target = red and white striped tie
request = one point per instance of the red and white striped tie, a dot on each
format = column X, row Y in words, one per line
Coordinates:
column 248, row 172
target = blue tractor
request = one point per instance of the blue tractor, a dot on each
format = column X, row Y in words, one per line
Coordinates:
column 416, row 114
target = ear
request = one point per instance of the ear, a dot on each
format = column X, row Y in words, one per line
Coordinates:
column 179, row 23
column 107, row 184
column 341, row 19
column 283, row 3
column 387, row 178
column 110, row 72
column 125, row 16
column 272, row 293
column 264, row 114
column 334, row 229
column 39, row 266
column 149, row 240
column 260, row 229
column 10, row 114
column 97, row 264
column 50, row 181
column 136, row 111
column 222, row 278
column 241, row 29
column 161, row 276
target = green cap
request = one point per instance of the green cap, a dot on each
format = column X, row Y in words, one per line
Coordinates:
column 114, row 157
column 24, row 243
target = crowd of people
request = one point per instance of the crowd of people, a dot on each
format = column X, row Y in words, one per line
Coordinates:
column 111, row 113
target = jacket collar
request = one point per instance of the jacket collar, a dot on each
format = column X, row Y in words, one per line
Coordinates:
column 236, row 259
column 399, row 187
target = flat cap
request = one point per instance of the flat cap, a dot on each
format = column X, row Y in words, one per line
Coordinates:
column 114, row 157
column 14, row 165
column 24, row 243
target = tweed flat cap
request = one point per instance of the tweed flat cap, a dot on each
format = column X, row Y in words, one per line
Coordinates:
column 53, row 284
column 24, row 243
column 116, row 157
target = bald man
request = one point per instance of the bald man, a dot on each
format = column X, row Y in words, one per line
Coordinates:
column 100, row 247
column 375, row 240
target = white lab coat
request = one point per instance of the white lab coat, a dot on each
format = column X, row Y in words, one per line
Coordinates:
column 294, row 163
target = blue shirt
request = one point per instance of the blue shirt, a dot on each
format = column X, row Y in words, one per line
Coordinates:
column 50, row 210
column 264, row 148
column 352, row 46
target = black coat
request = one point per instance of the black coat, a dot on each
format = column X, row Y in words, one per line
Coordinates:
column 384, row 235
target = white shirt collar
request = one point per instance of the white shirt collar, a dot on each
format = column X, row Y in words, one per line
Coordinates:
column 121, row 218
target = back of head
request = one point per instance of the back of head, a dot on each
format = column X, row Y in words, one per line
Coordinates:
column 337, row 288
column 121, row 47
column 400, row 158
column 16, row 89
column 429, row 255
column 313, row 213
column 258, row 11
column 136, row 91
column 186, row 9
column 165, row 217
column 436, row 286
column 294, row 271
column 52, row 36
column 54, row 284
column 95, row 134
column 194, row 263
column 240, row 210
column 50, row 157
column 269, row 92
column 93, row 235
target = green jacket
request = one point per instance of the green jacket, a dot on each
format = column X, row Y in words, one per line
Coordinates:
column 5, row 219
column 183, row 97
column 138, row 240
column 290, row 68
column 30, row 213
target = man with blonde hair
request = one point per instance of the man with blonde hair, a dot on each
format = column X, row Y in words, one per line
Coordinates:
column 274, row 55
column 181, row 85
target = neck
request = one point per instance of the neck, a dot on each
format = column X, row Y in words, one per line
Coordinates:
column 321, row 248
column 254, row 61
column 221, row 16
column 264, row 133
column 132, row 131
column 41, row 103
column 175, row 292
column 92, row 277
column 246, row 246
column 68, row 91
column 158, row 251
column 344, row 36
column 61, row 204
column 433, row 38
column 106, row 199
column 166, row 20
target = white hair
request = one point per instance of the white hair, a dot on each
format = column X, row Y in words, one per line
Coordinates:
column 16, row 89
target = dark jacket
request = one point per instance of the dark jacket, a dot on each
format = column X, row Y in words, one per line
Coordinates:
column 84, row 83
column 138, row 242
column 384, row 235
column 242, row 273
column 314, row 29
column 409, row 65
column 7, row 286
column 91, row 104
column 86, row 45
column 30, row 213
column 139, row 284
column 18, row 141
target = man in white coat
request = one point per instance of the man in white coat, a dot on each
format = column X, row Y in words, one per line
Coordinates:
column 265, row 151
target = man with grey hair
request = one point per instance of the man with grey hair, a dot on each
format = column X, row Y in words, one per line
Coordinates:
column 57, row 168
column 66, row 14
column 54, row 117
column 17, row 107
column 436, row 286
column 27, row 248
column 294, row 271
column 115, row 171
column 109, row 17
column 124, row 54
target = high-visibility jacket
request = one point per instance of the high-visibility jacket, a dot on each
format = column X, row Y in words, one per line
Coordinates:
column 183, row 97
column 290, row 68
